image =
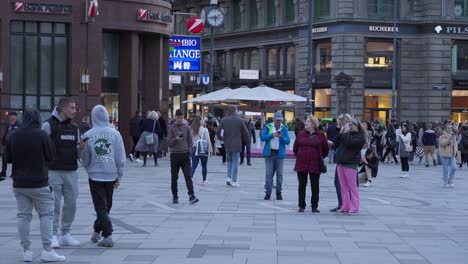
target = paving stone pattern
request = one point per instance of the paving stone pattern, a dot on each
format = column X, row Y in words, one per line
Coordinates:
column 406, row 221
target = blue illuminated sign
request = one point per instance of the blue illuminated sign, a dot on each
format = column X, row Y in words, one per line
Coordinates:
column 184, row 54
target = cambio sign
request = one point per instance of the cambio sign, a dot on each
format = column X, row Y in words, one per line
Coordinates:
column 184, row 54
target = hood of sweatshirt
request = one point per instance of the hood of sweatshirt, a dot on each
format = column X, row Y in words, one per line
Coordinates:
column 57, row 115
column 100, row 117
column 31, row 119
column 429, row 131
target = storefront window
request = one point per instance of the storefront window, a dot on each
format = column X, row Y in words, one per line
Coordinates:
column 323, row 57
column 39, row 65
column 460, row 8
column 288, row 11
column 236, row 15
column 110, row 52
column 253, row 14
column 236, row 63
column 321, row 9
column 244, row 60
column 379, row 56
column 380, row 8
column 460, row 106
column 377, row 106
column 271, row 13
column 220, row 69
column 322, row 102
column 281, row 62
column 460, row 57
column 291, row 62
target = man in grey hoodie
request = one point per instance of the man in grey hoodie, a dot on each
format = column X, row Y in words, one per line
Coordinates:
column 104, row 159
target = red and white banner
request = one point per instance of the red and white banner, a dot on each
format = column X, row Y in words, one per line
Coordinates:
column 19, row 7
column 93, row 10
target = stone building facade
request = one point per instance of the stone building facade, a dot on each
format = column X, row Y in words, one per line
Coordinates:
column 352, row 39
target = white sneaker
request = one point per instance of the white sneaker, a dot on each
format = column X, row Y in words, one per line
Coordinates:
column 367, row 184
column 55, row 242
column 67, row 240
column 404, row 176
column 138, row 161
column 51, row 256
column 205, row 182
column 451, row 185
column 446, row 185
column 131, row 157
column 27, row 256
column 228, row 182
column 235, row 184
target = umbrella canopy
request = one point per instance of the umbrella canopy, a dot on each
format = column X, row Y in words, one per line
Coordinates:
column 264, row 93
column 224, row 95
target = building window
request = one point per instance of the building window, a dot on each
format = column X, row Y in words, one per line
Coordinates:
column 281, row 62
column 380, row 8
column 253, row 14
column 206, row 62
column 220, row 66
column 323, row 58
column 379, row 56
column 289, row 11
column 236, row 15
column 39, row 65
column 271, row 13
column 321, row 9
column 244, row 60
column 460, row 8
column 460, row 58
column 110, row 62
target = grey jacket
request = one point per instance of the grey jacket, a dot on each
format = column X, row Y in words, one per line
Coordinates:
column 234, row 133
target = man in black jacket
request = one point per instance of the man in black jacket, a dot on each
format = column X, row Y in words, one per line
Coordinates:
column 135, row 133
column 251, row 130
column 12, row 126
column 63, row 176
column 29, row 150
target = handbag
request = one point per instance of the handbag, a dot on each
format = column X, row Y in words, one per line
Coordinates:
column 149, row 139
column 419, row 151
column 201, row 149
column 323, row 167
column 408, row 148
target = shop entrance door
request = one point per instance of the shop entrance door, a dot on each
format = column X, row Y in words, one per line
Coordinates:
column 381, row 114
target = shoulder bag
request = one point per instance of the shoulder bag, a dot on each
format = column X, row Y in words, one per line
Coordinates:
column 149, row 139
column 323, row 167
column 201, row 149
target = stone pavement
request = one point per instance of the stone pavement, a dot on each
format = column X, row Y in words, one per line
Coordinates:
column 407, row 221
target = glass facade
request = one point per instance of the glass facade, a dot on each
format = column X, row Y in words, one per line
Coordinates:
column 244, row 60
column 270, row 13
column 281, row 62
column 253, row 14
column 39, row 65
column 323, row 58
column 236, row 15
column 288, row 11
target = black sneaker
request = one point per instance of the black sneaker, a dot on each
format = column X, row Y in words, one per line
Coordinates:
column 2, row 178
column 3, row 175
column 242, row 163
column 279, row 196
column 315, row 210
column 175, row 200
column 193, row 199
column 427, row 165
column 301, row 210
column 335, row 209
column 267, row 196
column 249, row 164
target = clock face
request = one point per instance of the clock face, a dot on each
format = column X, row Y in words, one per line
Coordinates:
column 215, row 17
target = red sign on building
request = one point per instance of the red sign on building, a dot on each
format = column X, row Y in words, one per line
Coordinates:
column 195, row 25
column 21, row 7
column 153, row 16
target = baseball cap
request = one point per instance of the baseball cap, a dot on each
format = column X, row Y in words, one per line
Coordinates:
column 278, row 116
column 178, row 112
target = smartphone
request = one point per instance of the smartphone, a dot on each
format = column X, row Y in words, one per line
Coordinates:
column 180, row 134
column 279, row 132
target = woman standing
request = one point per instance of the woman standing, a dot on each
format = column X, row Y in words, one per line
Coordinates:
column 200, row 133
column 406, row 148
column 448, row 151
column 309, row 147
column 150, row 126
column 350, row 142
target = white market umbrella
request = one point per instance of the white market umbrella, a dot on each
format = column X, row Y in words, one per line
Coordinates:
column 264, row 93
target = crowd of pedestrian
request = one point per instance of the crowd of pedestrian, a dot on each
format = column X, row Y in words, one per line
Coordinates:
column 45, row 159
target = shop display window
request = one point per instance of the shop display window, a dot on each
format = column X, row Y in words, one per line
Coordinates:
column 379, row 56
column 460, row 58
column 323, row 61
column 322, row 103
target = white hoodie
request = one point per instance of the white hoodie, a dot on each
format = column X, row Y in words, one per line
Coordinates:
column 104, row 154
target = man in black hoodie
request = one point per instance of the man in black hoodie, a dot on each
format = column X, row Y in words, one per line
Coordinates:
column 29, row 149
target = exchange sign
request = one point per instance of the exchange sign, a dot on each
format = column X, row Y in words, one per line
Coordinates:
column 184, row 54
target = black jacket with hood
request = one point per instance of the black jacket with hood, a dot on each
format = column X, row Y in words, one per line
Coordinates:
column 349, row 147
column 30, row 151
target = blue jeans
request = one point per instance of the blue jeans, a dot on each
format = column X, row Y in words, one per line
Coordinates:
column 446, row 163
column 233, row 164
column 204, row 163
column 273, row 164
column 331, row 153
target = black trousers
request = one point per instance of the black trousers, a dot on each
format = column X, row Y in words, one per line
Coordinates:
column 181, row 161
column 404, row 164
column 135, row 142
column 248, row 152
column 222, row 151
column 102, row 193
column 4, row 162
column 387, row 151
column 314, row 186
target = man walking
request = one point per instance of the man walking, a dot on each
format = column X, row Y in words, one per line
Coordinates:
column 429, row 140
column 180, row 144
column 234, row 133
column 135, row 133
column 29, row 149
column 245, row 146
column 276, row 137
column 104, row 160
column 12, row 126
column 63, row 176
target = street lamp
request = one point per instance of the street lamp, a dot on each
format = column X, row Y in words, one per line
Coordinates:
column 394, row 59
column 310, row 104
